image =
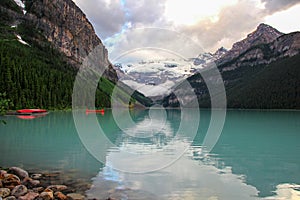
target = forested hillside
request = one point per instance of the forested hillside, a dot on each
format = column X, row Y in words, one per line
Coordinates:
column 33, row 73
column 276, row 86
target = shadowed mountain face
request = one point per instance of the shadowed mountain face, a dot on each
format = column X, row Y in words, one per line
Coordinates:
column 261, row 71
column 264, row 34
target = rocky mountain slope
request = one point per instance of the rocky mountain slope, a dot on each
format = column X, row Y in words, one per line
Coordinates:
column 63, row 24
column 42, row 45
column 264, row 34
column 266, row 59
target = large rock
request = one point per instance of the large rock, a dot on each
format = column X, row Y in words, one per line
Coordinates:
column 10, row 181
column 60, row 196
column 29, row 182
column 29, row 196
column 21, row 173
column 4, row 192
column 19, row 190
column 46, row 195
column 75, row 196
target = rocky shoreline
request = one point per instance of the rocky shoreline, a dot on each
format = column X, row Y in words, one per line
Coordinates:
column 17, row 184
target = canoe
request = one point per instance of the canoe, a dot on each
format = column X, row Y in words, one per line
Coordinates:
column 101, row 111
column 31, row 111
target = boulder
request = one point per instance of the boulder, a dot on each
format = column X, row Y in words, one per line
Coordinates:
column 29, row 182
column 18, row 171
column 46, row 195
column 4, row 192
column 19, row 190
column 10, row 181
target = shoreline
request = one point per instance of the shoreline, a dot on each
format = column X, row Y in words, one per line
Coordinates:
column 17, row 183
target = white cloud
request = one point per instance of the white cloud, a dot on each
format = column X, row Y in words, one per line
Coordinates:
column 212, row 24
column 287, row 20
column 107, row 16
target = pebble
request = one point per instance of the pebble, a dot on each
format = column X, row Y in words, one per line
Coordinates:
column 19, row 172
column 19, row 190
column 4, row 192
column 36, row 176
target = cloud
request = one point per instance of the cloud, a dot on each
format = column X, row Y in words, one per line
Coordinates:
column 107, row 16
column 145, row 12
column 232, row 23
column 279, row 5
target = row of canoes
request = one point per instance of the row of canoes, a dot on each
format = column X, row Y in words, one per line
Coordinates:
column 43, row 111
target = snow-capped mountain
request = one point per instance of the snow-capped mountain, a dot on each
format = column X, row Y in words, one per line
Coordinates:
column 157, row 77
column 220, row 53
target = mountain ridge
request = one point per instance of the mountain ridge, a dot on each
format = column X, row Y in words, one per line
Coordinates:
column 275, row 51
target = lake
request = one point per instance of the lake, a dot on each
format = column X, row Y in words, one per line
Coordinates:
column 151, row 156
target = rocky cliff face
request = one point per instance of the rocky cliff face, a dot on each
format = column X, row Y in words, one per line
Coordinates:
column 264, row 34
column 263, row 46
column 63, row 24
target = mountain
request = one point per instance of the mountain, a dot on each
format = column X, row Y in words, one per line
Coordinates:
column 260, row 71
column 220, row 53
column 42, row 46
column 156, row 77
column 264, row 34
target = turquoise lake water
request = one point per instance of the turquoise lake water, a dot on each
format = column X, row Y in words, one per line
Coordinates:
column 255, row 157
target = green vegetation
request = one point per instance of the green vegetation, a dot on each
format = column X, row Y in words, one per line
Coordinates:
column 35, row 75
column 276, row 86
column 10, row 5
column 5, row 104
column 39, row 76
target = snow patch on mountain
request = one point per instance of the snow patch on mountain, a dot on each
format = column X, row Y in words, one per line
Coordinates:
column 157, row 77
column 22, row 5
column 19, row 38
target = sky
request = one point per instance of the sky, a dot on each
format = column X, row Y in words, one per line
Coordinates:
column 211, row 24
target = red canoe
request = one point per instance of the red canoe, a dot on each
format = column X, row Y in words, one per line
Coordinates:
column 101, row 111
column 31, row 111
